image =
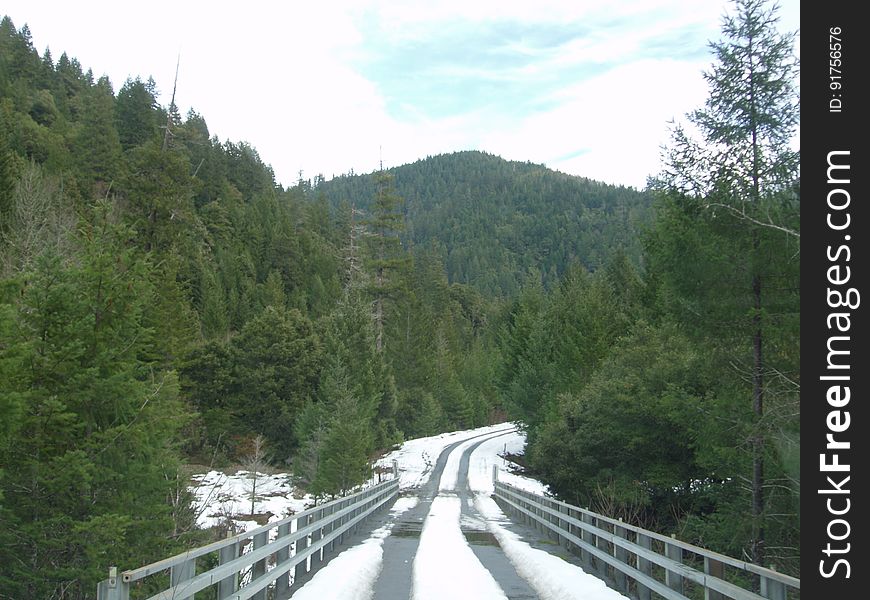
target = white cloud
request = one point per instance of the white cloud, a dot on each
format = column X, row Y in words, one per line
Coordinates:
column 285, row 76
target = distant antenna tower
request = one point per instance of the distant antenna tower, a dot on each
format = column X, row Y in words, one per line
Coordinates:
column 381, row 153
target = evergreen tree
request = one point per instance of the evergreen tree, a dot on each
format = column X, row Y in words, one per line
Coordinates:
column 344, row 461
column 276, row 367
column 135, row 113
column 7, row 180
column 159, row 192
column 97, row 147
column 386, row 257
column 92, row 457
column 742, row 171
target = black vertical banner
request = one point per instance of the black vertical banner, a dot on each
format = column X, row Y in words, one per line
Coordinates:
column 835, row 367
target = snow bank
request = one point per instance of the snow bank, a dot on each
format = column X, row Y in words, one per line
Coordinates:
column 358, row 566
column 550, row 576
column 417, row 457
column 219, row 497
column 488, row 454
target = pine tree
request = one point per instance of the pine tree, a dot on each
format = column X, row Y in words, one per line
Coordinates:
column 7, row 179
column 92, row 459
column 386, row 255
column 743, row 167
column 345, row 454
column 135, row 114
column 97, row 146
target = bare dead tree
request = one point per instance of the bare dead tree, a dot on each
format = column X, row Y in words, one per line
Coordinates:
column 167, row 134
column 255, row 464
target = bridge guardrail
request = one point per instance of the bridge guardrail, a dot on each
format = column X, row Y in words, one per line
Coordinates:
column 643, row 563
column 249, row 563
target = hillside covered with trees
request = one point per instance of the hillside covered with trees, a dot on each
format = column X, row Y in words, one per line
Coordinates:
column 164, row 302
column 494, row 221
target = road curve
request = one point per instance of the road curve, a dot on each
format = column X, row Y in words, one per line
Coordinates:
column 396, row 579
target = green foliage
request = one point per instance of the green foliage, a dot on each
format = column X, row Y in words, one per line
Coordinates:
column 91, row 445
column 631, row 430
column 96, row 145
column 135, row 113
column 496, row 220
column 276, row 362
column 387, row 260
column 344, row 460
column 336, row 318
column 737, row 183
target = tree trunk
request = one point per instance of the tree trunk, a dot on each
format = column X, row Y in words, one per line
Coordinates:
column 758, row 442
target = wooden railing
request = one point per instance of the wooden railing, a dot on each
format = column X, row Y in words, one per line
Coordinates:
column 642, row 563
column 260, row 563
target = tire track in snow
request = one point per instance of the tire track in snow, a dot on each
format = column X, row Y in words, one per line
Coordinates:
column 457, row 557
column 395, row 580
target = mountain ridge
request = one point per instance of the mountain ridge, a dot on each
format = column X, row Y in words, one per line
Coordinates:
column 495, row 221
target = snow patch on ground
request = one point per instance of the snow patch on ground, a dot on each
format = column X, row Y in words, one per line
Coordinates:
column 450, row 476
column 220, row 498
column 445, row 566
column 550, row 576
column 491, row 453
column 359, row 566
column 417, row 457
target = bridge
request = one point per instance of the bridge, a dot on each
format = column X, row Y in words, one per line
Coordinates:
column 469, row 531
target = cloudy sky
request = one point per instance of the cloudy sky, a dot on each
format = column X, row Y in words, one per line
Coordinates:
column 584, row 86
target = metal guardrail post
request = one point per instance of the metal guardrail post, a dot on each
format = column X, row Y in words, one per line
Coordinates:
column 329, row 528
column 556, row 521
column 587, row 537
column 113, row 588
column 621, row 554
column 572, row 529
column 181, row 573
column 316, row 536
column 282, row 584
column 675, row 553
column 716, row 569
column 644, row 566
column 772, row 589
column 601, row 544
column 229, row 585
column 301, row 544
column 259, row 568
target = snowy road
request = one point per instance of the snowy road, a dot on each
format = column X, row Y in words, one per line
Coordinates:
column 445, row 537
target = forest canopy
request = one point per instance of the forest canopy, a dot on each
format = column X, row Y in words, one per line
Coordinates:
column 165, row 304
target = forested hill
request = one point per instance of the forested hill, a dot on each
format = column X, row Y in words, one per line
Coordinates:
column 164, row 303
column 492, row 220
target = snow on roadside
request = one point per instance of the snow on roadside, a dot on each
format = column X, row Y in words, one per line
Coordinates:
column 359, row 565
column 549, row 575
column 445, row 565
column 417, row 457
column 450, row 476
column 491, row 453
column 219, row 497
